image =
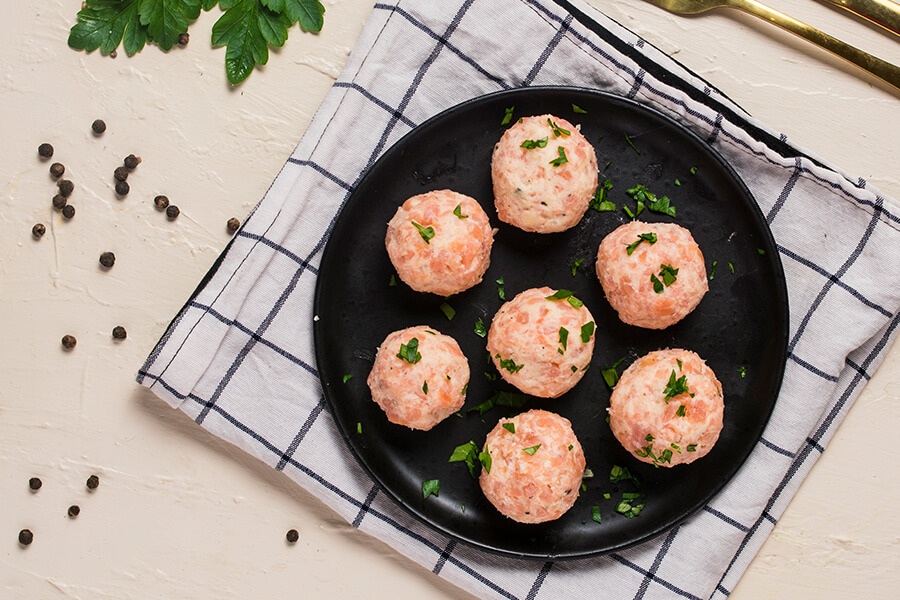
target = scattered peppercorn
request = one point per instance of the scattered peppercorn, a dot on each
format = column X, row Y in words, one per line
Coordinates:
column 35, row 483
column 68, row 211
column 183, row 39
column 59, row 202
column 38, row 230
column 73, row 511
column 45, row 150
column 92, row 482
column 66, row 187
column 99, row 126
column 113, row 54
column 122, row 188
column 108, row 259
column 292, row 536
column 161, row 202
column 57, row 170
column 26, row 537
column 119, row 333
column 233, row 225
column 121, row 173
column 172, row 212
column 69, row 341
column 131, row 162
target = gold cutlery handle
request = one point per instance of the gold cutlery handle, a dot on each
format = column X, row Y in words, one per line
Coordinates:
column 879, row 68
column 883, row 13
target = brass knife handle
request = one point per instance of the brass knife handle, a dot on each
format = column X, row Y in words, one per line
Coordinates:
column 883, row 13
column 879, row 68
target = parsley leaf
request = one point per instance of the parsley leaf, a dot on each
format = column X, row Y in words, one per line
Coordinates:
column 676, row 387
column 595, row 513
column 712, row 273
column 617, row 474
column 432, row 486
column 680, row 411
column 507, row 115
column 556, row 162
column 500, row 291
column 530, row 451
column 630, row 143
column 501, row 398
column 510, row 427
column 668, row 273
column 691, row 448
column 642, row 195
column 557, row 130
column 347, row 378
column 657, row 284
column 485, row 459
column 532, row 144
column 448, row 311
column 103, row 24
column 426, row 232
column 466, row 453
column 410, row 351
column 577, row 109
column 631, row 505
column 575, row 266
column 509, row 364
column 567, row 296
column 610, row 376
column 563, row 338
column 650, row 238
column 458, row 212
column 742, row 371
column 425, row 387
column 480, row 330
column 587, row 330
column 599, row 201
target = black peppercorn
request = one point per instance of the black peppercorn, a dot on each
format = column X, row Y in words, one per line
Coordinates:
column 69, row 341
column 121, row 173
column 122, row 188
column 38, row 230
column 119, row 333
column 26, row 537
column 68, row 211
column 131, row 162
column 183, row 39
column 99, row 126
column 57, row 170
column 35, row 483
column 172, row 212
column 292, row 536
column 161, row 202
column 59, row 202
column 92, row 482
column 108, row 259
column 66, row 187
column 45, row 150
column 233, row 225
column 73, row 511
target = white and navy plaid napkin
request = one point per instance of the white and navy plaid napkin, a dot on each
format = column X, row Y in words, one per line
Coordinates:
column 239, row 356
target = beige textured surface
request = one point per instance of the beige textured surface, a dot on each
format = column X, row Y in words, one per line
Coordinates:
column 181, row 514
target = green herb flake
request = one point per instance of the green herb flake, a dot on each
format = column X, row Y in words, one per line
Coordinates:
column 610, row 375
column 448, row 311
column 618, row 473
column 649, row 437
column 742, row 371
column 358, row 427
column 599, row 201
column 731, row 267
column 628, row 212
column 680, row 411
column 574, row 369
column 668, row 273
column 691, row 448
column 630, row 143
column 507, row 115
column 575, row 266
column 595, row 513
column 347, row 378
column 570, row 447
column 531, row 450
column 410, row 351
column 631, row 505
column 425, row 387
column 509, row 364
column 642, row 195
column 657, row 284
column 561, row 160
column 467, row 453
column 426, row 232
column 510, row 427
column 500, row 291
column 432, row 486
column 575, row 302
column 588, row 474
column 501, row 398
column 458, row 212
column 532, row 144
column 587, row 330
column 650, row 238
column 557, row 130
column 485, row 459
column 563, row 338
column 677, row 182
column 559, row 295
column 679, row 363
column 480, row 329
column 693, row 170
column 712, row 273
column 676, row 387
column 392, row 282
column 578, row 109
column 760, row 251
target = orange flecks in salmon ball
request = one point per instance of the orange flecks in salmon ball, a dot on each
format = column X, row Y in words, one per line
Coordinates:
column 544, row 173
column 667, row 408
column 419, row 377
column 653, row 274
column 536, row 467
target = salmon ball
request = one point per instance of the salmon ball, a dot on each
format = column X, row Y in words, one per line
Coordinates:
column 419, row 377
column 667, row 408
column 536, row 467
column 440, row 242
column 542, row 341
column 544, row 173
column 653, row 274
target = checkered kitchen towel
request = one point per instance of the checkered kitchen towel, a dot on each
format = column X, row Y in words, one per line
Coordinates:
column 239, row 356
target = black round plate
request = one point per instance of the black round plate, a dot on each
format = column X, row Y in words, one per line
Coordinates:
column 740, row 327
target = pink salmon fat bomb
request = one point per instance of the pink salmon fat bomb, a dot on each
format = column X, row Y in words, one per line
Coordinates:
column 536, row 467
column 667, row 408
column 440, row 242
column 419, row 377
column 653, row 274
column 546, row 185
column 542, row 341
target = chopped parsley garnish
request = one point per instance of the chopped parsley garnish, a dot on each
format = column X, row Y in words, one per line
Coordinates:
column 657, row 284
column 693, row 170
column 713, row 272
column 680, row 411
column 392, row 282
column 578, row 109
column 631, row 505
column 563, row 339
column 485, row 459
column 642, row 195
column 570, row 447
column 574, row 369
column 610, row 375
column 595, row 513
column 532, row 144
column 649, row 437
column 567, row 296
column 665, row 456
column 680, row 364
column 510, row 427
column 617, row 474
column 575, row 266
column 599, row 201
column 426, row 232
column 588, row 474
column 358, row 427
column 628, row 212
column 630, row 143
column 731, row 267
column 760, row 251
column 501, row 398
column 432, row 486
column 500, row 291
column 587, row 330
column 691, row 448
column 347, row 378
column 677, row 182
column 557, row 130
column 509, row 364
column 650, row 238
column 561, row 160
column 676, row 387
column 410, row 351
column 467, row 453
column 668, row 273
column 742, row 371
column 425, row 387
column 531, row 450
column 480, row 329
column 448, row 311
column 508, row 115
column 458, row 212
